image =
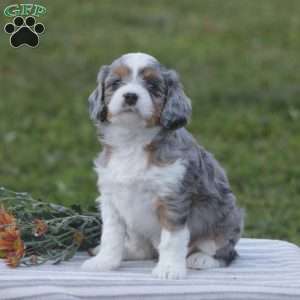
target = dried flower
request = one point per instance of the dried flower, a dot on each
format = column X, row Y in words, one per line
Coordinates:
column 40, row 227
column 12, row 260
column 12, row 245
column 2, row 254
column 78, row 238
column 6, row 219
column 36, row 231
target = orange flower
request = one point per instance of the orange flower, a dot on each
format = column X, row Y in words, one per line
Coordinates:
column 12, row 260
column 2, row 254
column 6, row 219
column 40, row 227
column 12, row 246
column 78, row 238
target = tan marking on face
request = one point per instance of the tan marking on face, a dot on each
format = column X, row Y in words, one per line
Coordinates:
column 162, row 212
column 121, row 71
column 149, row 73
column 154, row 120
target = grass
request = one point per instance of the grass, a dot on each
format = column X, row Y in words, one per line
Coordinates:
column 239, row 62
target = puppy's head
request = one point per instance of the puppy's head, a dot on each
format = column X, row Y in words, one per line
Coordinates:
column 137, row 87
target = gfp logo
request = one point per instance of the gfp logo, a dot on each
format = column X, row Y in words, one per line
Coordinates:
column 24, row 30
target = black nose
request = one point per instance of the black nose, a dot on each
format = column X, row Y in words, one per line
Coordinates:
column 130, row 98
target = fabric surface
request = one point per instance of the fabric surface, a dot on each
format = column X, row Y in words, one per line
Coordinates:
column 265, row 269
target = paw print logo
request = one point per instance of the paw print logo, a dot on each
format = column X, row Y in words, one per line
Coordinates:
column 24, row 32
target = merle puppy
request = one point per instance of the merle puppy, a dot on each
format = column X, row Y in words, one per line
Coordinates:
column 162, row 195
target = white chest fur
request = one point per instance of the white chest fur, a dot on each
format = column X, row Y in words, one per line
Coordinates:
column 134, row 186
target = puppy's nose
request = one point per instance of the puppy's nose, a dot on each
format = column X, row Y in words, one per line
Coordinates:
column 130, row 98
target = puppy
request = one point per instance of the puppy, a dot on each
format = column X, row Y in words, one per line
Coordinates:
column 162, row 195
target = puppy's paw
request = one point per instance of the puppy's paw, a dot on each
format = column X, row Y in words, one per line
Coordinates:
column 201, row 260
column 95, row 251
column 99, row 264
column 169, row 271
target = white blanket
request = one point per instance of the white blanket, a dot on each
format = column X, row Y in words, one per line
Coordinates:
column 265, row 269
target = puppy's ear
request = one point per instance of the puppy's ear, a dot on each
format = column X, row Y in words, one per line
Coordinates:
column 97, row 106
column 177, row 109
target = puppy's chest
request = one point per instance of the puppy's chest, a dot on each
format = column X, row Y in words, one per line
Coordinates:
column 135, row 185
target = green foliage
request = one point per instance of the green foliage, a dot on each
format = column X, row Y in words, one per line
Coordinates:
column 49, row 231
column 238, row 60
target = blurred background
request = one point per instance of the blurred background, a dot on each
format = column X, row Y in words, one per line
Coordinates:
column 239, row 62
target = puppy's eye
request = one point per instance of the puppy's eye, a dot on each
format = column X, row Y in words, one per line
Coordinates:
column 153, row 84
column 115, row 84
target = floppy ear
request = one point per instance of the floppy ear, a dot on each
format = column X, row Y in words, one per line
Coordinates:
column 97, row 106
column 177, row 109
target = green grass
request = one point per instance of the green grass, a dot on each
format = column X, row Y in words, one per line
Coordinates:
column 239, row 62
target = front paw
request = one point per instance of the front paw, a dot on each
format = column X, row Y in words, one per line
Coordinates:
column 169, row 271
column 100, row 264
